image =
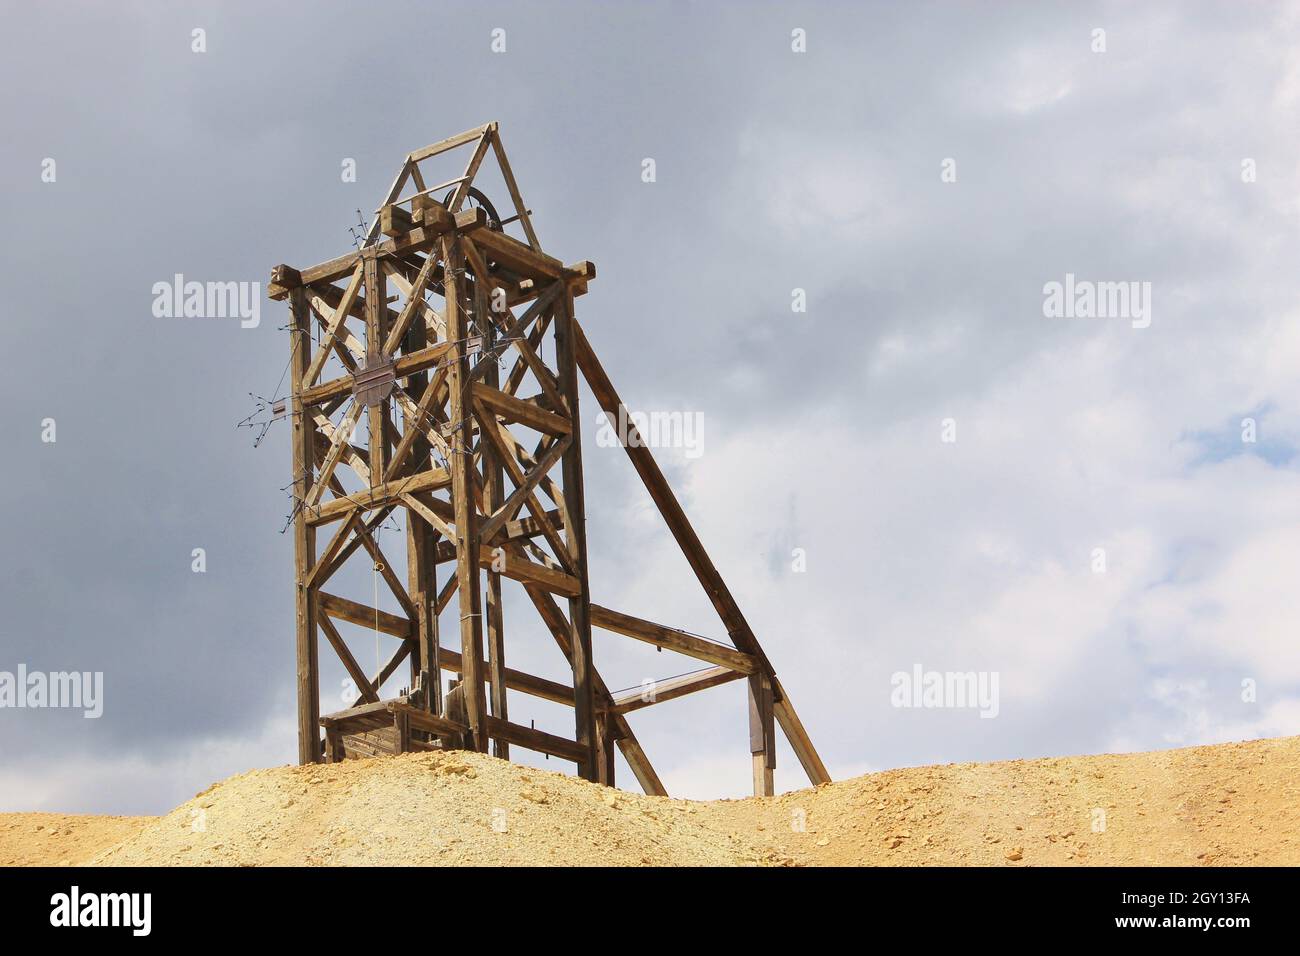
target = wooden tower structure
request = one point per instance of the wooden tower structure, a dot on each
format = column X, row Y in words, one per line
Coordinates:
column 419, row 386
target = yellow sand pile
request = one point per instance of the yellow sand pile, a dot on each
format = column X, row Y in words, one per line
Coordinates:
column 1227, row 804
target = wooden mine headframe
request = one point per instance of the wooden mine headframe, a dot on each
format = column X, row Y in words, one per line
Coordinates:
column 415, row 325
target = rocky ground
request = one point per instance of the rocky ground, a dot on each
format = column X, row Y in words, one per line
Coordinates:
column 1220, row 805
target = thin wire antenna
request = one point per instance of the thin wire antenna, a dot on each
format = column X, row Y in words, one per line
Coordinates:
column 277, row 407
column 360, row 231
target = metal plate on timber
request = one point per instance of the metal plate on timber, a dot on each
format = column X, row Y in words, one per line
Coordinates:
column 374, row 381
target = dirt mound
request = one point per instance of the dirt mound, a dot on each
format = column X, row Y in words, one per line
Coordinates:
column 57, row 839
column 420, row 809
column 1226, row 804
column 1220, row 805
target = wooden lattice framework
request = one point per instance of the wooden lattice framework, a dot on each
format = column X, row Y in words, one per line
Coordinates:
column 415, row 324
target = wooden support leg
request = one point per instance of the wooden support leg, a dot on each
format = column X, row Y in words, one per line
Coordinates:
column 433, row 683
column 304, row 537
column 376, row 333
column 421, row 541
column 466, row 515
column 762, row 734
column 576, row 538
column 402, row 730
column 493, row 494
column 606, row 734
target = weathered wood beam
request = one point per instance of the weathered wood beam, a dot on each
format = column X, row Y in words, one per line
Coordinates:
column 325, row 564
column 403, row 649
column 304, row 537
column 420, row 239
column 525, row 219
column 672, row 639
column 385, row 568
column 414, row 300
column 418, row 422
column 493, row 492
column 422, row 720
column 584, row 669
column 379, row 413
column 525, row 484
column 451, row 142
column 518, row 568
column 762, row 735
column 348, row 610
column 389, row 493
column 517, row 680
column 463, row 478
column 673, row 688
column 341, row 440
column 350, row 664
column 631, row 748
column 471, row 170
column 403, row 367
column 538, row 740
column 340, row 316
column 795, row 733
column 368, row 709
column 523, row 412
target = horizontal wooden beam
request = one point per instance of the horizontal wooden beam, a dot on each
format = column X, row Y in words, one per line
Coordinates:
column 419, row 239
column 403, row 367
column 519, row 530
column 533, row 739
column 361, row 710
column 519, row 258
column 672, row 639
column 530, row 684
column 451, row 142
column 520, row 569
column 423, row 720
column 389, row 493
column 347, row 610
column 519, row 410
column 673, row 688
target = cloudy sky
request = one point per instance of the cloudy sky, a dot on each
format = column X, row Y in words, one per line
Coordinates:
column 921, row 172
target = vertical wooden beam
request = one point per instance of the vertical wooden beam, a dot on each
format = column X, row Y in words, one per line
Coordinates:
column 402, row 731
column 493, row 495
column 762, row 734
column 606, row 737
column 420, row 544
column 463, row 476
column 376, row 335
column 304, row 535
column 575, row 534
column 434, row 687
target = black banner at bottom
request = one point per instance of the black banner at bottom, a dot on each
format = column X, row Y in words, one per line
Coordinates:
column 334, row 905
